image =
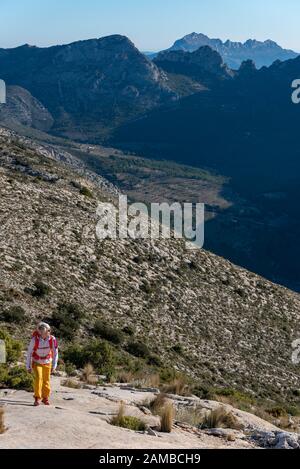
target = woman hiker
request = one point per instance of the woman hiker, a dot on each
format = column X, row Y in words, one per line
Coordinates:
column 42, row 357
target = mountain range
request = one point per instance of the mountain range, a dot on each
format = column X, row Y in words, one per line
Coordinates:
column 234, row 53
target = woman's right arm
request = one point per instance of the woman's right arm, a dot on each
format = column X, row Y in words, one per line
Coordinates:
column 29, row 354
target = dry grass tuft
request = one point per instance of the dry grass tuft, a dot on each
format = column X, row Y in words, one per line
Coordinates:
column 71, row 383
column 221, row 418
column 88, row 374
column 157, row 404
column 178, row 386
column 167, row 415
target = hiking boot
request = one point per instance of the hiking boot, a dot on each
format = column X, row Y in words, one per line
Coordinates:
column 36, row 402
column 46, row 401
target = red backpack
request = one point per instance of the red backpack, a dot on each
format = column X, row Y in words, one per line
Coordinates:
column 36, row 346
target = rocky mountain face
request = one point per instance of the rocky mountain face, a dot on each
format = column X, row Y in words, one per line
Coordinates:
column 94, row 84
column 22, row 108
column 204, row 65
column 220, row 324
column 234, row 53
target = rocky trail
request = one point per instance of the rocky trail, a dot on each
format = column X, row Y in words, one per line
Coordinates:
column 79, row 419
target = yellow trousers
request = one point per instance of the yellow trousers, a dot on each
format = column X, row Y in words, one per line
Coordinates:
column 42, row 375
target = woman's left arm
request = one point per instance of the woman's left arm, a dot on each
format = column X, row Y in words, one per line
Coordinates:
column 55, row 354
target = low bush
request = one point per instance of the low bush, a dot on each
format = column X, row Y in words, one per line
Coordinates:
column 108, row 333
column 126, row 421
column 86, row 192
column 177, row 349
column 40, row 290
column 128, row 330
column 14, row 314
column 15, row 378
column 67, row 319
column 98, row 353
column 138, row 349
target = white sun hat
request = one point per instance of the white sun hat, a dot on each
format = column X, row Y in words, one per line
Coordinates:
column 43, row 325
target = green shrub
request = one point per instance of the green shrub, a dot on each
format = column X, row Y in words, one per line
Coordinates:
column 154, row 360
column 70, row 369
column 138, row 349
column 86, row 192
column 99, row 353
column 40, row 290
column 14, row 314
column 177, row 349
column 126, row 421
column 108, row 333
column 15, row 378
column 167, row 374
column 67, row 319
column 132, row 423
column 128, row 330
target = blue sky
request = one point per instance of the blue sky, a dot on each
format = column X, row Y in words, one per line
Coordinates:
column 150, row 24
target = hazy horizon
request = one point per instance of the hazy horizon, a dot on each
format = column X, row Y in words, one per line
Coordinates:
column 150, row 26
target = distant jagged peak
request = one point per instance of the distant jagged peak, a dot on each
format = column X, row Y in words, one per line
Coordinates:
column 263, row 53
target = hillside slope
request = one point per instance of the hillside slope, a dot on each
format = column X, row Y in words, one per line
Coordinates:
column 235, row 328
